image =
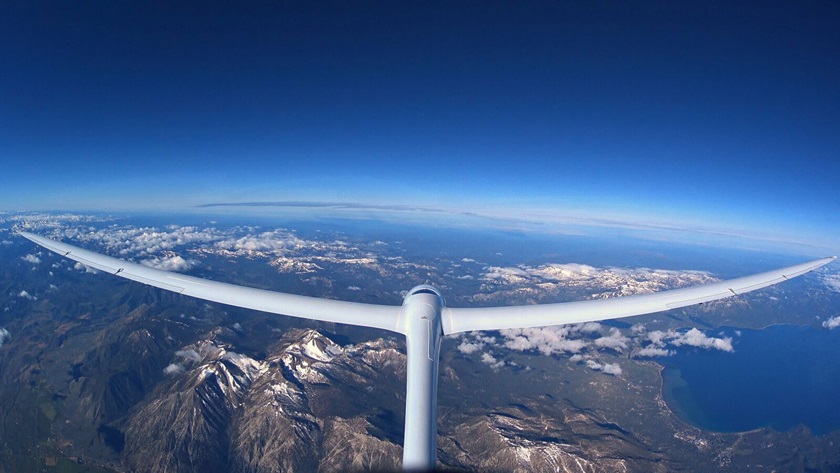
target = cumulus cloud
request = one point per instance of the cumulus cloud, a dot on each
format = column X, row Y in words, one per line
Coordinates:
column 81, row 267
column 31, row 259
column 508, row 275
column 658, row 337
column 650, row 351
column 554, row 340
column 546, row 340
column 615, row 341
column 695, row 338
column 174, row 369
column 607, row 368
column 588, row 327
column 26, row 295
column 4, row 335
column 272, row 242
column 467, row 347
column 832, row 322
column 474, row 342
column 489, row 359
column 169, row 263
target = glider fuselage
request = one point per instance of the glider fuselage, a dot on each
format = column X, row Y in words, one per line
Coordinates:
column 420, row 316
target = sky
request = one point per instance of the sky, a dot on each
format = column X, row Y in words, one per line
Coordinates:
column 713, row 116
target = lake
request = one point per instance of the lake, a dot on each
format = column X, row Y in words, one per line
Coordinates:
column 778, row 377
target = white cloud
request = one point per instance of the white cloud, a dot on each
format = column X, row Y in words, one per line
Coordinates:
column 507, row 275
column 469, row 347
column 615, row 340
column 81, row 267
column 832, row 322
column 612, row 368
column 608, row 368
column 31, row 259
column 26, row 295
column 696, row 338
column 189, row 355
column 174, row 369
column 832, row 282
column 276, row 241
column 661, row 340
column 546, row 340
column 169, row 263
column 4, row 335
column 527, row 284
column 474, row 342
column 281, row 248
column 489, row 359
column 588, row 327
column 654, row 351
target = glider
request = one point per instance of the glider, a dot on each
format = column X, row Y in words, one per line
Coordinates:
column 423, row 318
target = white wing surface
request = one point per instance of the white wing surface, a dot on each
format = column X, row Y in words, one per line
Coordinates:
column 498, row 318
column 453, row 320
column 327, row 310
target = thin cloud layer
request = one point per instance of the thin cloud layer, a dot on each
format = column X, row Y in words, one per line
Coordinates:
column 832, row 282
column 165, row 248
column 552, row 282
column 174, row 369
column 189, row 354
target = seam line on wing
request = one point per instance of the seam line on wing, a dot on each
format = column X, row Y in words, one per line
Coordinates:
column 188, row 282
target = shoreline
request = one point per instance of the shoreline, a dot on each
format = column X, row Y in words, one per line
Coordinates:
column 674, row 406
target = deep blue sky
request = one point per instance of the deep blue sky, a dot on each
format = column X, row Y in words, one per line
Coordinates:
column 716, row 115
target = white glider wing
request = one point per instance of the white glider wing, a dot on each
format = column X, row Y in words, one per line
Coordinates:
column 327, row 310
column 497, row 318
column 454, row 320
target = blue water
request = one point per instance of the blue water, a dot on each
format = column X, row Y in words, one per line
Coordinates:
column 778, row 377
